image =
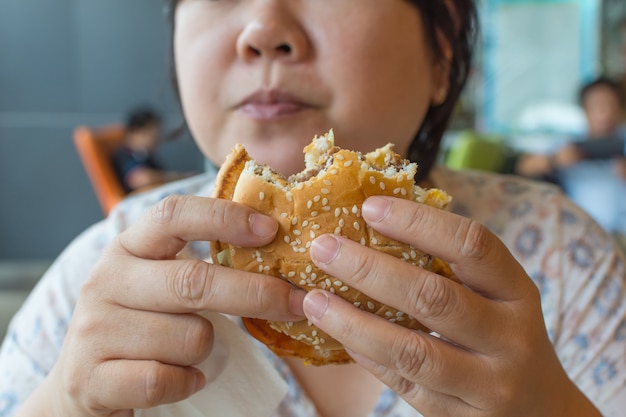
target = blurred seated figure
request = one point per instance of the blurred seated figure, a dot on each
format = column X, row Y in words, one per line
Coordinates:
column 134, row 160
column 592, row 168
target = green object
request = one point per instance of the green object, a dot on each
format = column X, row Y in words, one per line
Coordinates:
column 473, row 151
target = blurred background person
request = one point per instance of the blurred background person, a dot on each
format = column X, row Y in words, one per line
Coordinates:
column 592, row 168
column 135, row 162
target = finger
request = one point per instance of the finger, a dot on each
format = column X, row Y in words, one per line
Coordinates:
column 475, row 254
column 435, row 301
column 175, row 339
column 415, row 356
column 426, row 401
column 183, row 286
column 176, row 220
column 124, row 384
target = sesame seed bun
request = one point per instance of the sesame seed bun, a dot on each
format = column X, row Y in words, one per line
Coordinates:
column 324, row 198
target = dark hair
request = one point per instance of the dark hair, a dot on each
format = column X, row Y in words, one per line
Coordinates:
column 141, row 117
column 604, row 82
column 457, row 22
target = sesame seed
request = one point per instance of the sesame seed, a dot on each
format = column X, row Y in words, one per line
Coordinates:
column 337, row 212
column 339, row 156
column 287, row 239
column 328, row 182
column 396, row 190
column 305, row 223
column 303, row 275
column 344, row 288
column 403, row 191
column 345, row 211
column 347, row 164
column 333, row 171
column 309, row 204
column 289, row 196
column 308, row 245
column 342, row 222
column 259, row 260
column 363, row 241
column 309, row 269
column 266, row 268
column 326, row 208
column 294, row 243
column 372, row 179
column 295, row 249
column 314, row 214
column 374, row 241
column 296, row 232
column 316, row 226
column 370, row 305
column 261, row 196
column 337, row 230
column 337, row 283
column 332, row 290
column 291, row 274
column 323, row 285
column 406, row 256
column 328, row 283
column 308, row 183
column 381, row 185
column 355, row 209
column 312, row 234
column 314, row 333
column 357, row 304
column 294, row 221
column 400, row 178
column 313, row 275
column 302, row 250
column 260, row 268
column 325, row 201
column 316, row 198
column 325, row 191
column 357, row 226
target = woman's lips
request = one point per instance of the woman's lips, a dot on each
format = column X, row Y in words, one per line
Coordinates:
column 271, row 104
column 271, row 110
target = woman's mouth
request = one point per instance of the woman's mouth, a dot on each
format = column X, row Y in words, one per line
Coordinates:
column 271, row 104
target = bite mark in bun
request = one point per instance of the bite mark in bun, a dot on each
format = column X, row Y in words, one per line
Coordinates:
column 326, row 197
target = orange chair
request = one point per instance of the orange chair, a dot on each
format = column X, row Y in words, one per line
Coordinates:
column 94, row 147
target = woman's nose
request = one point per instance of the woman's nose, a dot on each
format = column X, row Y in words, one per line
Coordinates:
column 273, row 33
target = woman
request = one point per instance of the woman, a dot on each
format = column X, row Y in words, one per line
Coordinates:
column 272, row 74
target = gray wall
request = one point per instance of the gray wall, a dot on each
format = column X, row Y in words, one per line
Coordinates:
column 64, row 63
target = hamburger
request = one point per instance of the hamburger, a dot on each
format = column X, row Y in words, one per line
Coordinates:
column 326, row 197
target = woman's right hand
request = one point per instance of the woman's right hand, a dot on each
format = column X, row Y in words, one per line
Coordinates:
column 135, row 335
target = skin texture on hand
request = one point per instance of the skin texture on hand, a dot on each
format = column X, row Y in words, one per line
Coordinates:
column 493, row 358
column 135, row 336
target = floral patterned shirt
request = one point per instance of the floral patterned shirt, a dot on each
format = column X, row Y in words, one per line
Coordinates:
column 578, row 268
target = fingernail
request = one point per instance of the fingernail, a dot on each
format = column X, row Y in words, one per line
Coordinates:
column 262, row 226
column 375, row 209
column 325, row 248
column 296, row 299
column 316, row 303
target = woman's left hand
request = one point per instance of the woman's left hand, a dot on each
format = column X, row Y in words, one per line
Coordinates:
column 494, row 357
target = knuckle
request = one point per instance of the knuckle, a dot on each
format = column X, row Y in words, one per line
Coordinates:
column 164, row 212
column 432, row 298
column 191, row 282
column 218, row 217
column 258, row 294
column 474, row 239
column 365, row 266
column 155, row 388
column 198, row 340
column 408, row 355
